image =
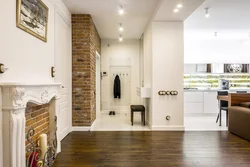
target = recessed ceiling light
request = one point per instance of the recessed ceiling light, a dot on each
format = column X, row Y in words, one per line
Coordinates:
column 121, row 11
column 207, row 15
column 179, row 5
column 176, row 10
column 120, row 38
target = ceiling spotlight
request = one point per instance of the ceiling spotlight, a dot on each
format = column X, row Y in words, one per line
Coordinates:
column 121, row 11
column 207, row 15
column 121, row 29
column 176, row 10
column 179, row 5
column 120, row 38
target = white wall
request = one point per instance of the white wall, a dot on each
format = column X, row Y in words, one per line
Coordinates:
column 129, row 49
column 147, row 70
column 167, row 74
column 202, row 46
column 28, row 58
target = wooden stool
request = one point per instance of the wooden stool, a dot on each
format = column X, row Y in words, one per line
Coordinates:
column 137, row 108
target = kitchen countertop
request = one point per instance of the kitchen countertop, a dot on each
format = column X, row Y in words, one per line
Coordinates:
column 215, row 90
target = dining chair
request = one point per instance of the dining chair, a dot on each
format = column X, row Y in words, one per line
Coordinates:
column 223, row 106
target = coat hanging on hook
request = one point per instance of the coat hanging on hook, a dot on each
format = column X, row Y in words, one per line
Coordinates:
column 117, row 87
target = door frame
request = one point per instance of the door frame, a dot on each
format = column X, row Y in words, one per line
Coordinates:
column 98, row 85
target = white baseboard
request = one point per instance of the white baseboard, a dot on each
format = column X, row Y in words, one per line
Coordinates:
column 93, row 124
column 83, row 128
column 168, row 128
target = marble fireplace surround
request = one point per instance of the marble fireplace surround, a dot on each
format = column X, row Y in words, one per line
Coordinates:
column 13, row 101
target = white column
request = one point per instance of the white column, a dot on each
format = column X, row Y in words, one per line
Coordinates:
column 167, row 74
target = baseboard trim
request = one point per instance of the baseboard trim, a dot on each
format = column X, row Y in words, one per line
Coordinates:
column 93, row 124
column 83, row 128
column 168, row 128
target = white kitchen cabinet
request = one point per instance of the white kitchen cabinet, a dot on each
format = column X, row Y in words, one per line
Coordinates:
column 193, row 102
column 194, row 97
column 218, row 68
column 201, row 68
column 190, row 107
column 190, row 68
column 200, row 102
column 210, row 102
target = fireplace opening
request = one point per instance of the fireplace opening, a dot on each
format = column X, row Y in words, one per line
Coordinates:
column 37, row 117
column 40, row 130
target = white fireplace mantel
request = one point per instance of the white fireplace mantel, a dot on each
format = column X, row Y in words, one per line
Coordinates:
column 13, row 101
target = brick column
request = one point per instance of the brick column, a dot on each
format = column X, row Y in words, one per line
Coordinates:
column 85, row 42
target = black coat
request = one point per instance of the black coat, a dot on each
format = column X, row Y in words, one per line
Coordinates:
column 117, row 87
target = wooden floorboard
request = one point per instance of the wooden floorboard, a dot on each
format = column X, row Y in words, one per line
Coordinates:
column 153, row 149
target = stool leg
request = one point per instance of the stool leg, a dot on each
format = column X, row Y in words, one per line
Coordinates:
column 141, row 117
column 144, row 118
column 132, row 116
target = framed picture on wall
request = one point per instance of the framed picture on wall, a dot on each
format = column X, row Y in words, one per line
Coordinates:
column 32, row 17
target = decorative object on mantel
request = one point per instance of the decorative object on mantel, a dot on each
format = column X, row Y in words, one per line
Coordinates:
column 37, row 156
column 32, row 17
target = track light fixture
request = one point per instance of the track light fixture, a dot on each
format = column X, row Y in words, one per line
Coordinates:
column 121, row 29
column 121, row 11
column 120, row 38
column 207, row 15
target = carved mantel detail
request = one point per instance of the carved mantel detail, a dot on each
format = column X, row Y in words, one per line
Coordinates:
column 14, row 98
column 17, row 96
column 45, row 96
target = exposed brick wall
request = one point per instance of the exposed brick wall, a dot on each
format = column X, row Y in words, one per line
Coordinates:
column 38, row 118
column 85, row 42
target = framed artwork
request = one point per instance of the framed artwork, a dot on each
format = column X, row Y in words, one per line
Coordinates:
column 32, row 17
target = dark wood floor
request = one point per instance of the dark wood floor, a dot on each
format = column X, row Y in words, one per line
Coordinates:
column 153, row 149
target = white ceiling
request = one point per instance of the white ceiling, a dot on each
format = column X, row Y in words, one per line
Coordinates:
column 165, row 11
column 225, row 15
column 138, row 14
column 106, row 19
